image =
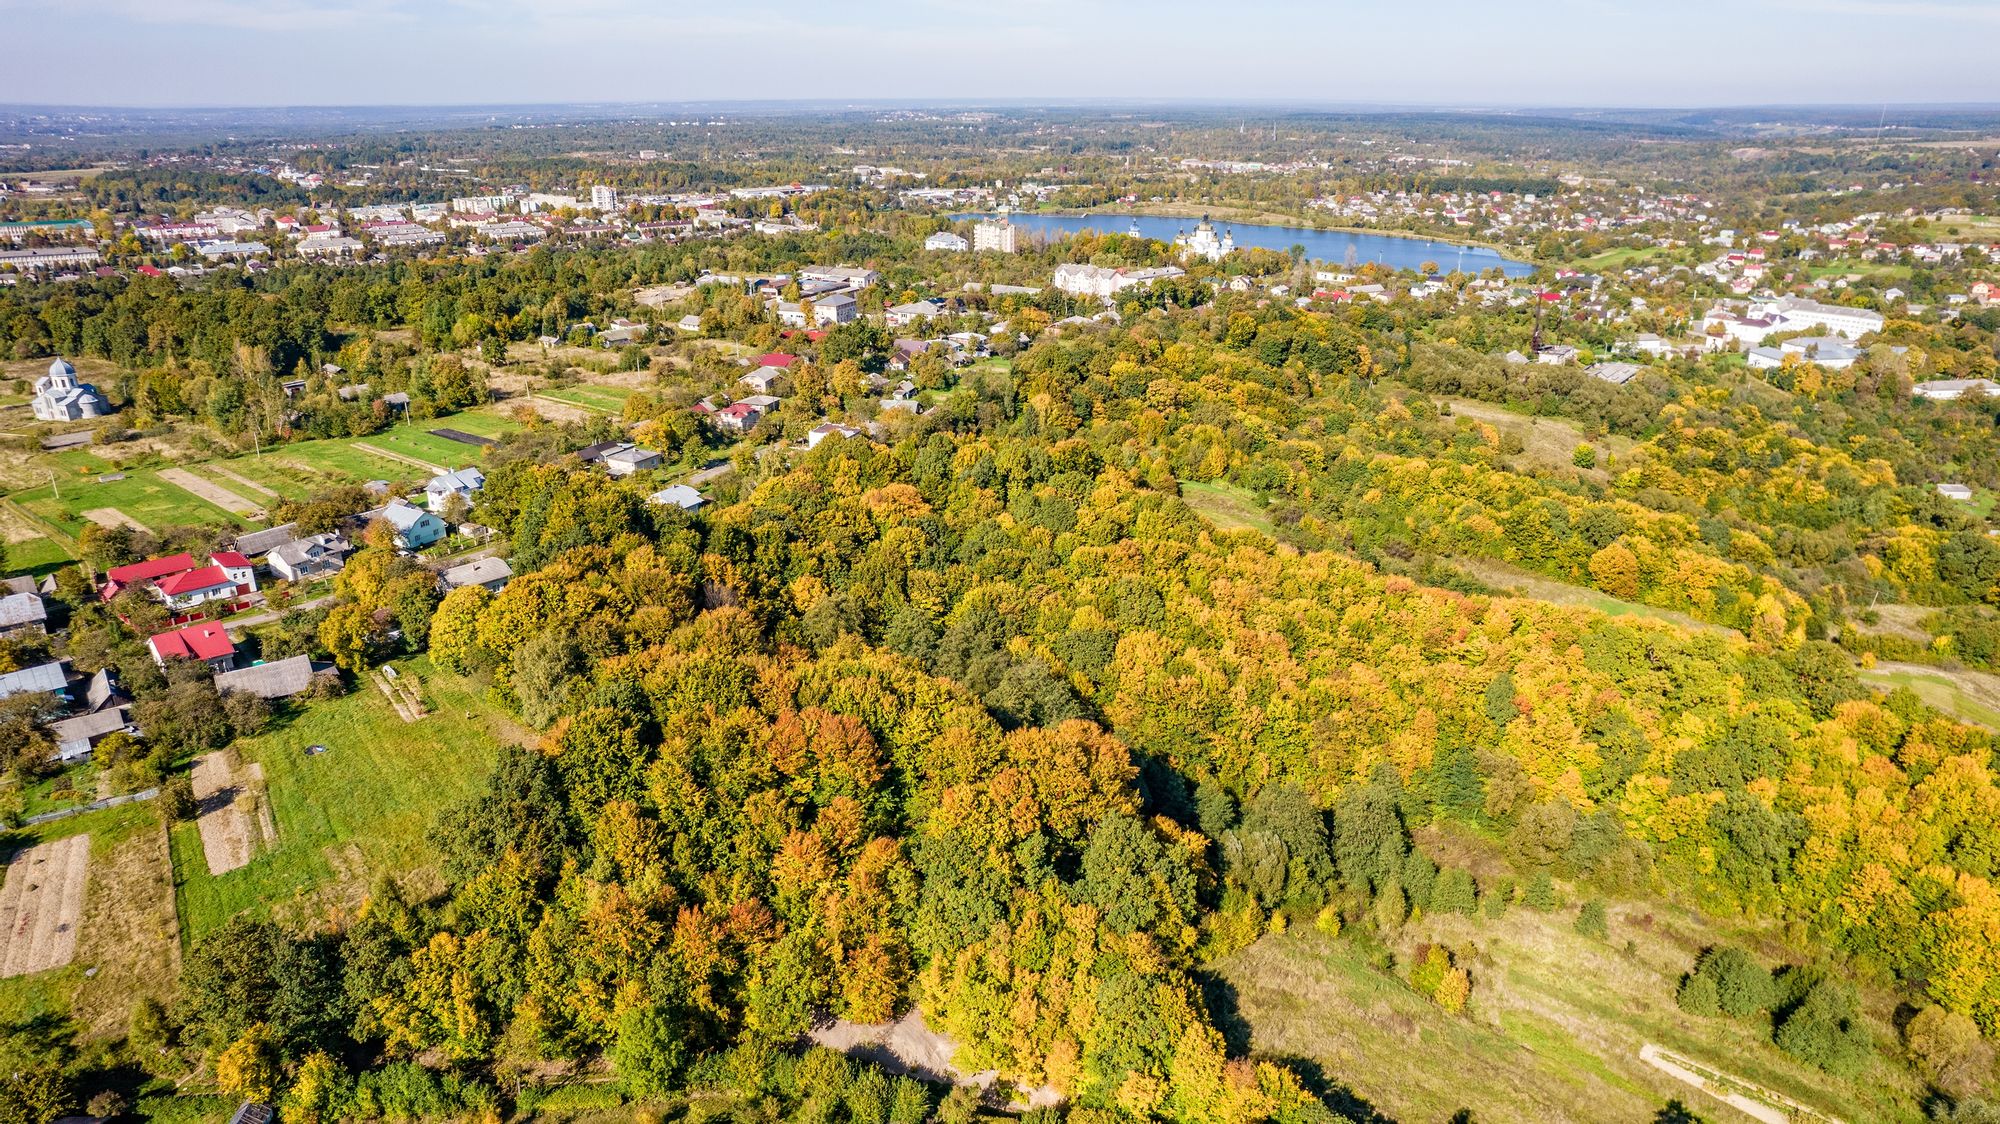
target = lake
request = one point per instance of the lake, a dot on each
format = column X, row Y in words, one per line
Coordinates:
column 1329, row 246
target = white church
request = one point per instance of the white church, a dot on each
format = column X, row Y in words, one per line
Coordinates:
column 1203, row 243
column 60, row 397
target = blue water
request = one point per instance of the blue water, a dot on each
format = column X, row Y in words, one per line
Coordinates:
column 1327, row 246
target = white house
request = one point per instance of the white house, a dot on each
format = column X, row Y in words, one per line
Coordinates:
column 493, row 573
column 839, row 308
column 458, row 482
column 947, row 242
column 309, row 558
column 905, row 314
column 1955, row 492
column 1945, row 390
column 678, row 495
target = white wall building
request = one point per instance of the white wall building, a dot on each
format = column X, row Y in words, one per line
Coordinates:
column 995, row 235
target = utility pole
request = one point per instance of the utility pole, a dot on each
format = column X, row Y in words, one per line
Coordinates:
column 53, row 486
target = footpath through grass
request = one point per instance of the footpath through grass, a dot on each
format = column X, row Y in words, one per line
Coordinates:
column 361, row 809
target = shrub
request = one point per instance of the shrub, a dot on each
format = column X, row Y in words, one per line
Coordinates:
column 1592, row 921
column 1825, row 1029
column 1743, row 986
column 1697, row 996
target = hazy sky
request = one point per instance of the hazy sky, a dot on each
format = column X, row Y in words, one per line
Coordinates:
column 1570, row 52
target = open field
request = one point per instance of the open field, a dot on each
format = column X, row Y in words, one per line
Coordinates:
column 361, row 809
column 41, row 905
column 1229, row 507
column 1969, row 696
column 1553, row 1031
column 589, row 397
column 126, row 946
column 1546, row 442
column 142, row 495
column 1523, row 583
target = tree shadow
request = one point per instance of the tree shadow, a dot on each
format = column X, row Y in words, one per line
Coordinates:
column 1336, row 1096
column 1225, row 1012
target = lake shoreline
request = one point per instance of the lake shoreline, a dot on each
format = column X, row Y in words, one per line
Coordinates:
column 1242, row 220
column 1247, row 216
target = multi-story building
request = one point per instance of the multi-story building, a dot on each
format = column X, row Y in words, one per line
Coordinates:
column 995, row 235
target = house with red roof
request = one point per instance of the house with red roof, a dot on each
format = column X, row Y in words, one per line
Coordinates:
column 120, row 578
column 741, row 417
column 209, row 643
column 777, row 359
column 183, row 585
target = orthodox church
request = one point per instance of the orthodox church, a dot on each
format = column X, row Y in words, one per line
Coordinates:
column 60, row 397
column 1203, row 243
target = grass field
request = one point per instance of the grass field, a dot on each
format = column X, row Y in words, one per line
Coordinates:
column 1969, row 696
column 125, row 943
column 610, row 399
column 362, row 809
column 38, row 555
column 141, row 494
column 1552, row 1032
column 1229, row 507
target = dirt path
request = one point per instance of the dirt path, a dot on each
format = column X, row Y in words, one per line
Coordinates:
column 112, row 517
column 909, row 1046
column 229, row 838
column 379, row 451
column 211, row 491
column 245, row 481
column 401, row 695
column 1753, row 1101
column 41, row 906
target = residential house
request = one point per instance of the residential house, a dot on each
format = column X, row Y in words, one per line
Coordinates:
column 23, row 614
column 825, row 430
column 740, row 417
column 458, row 482
column 1959, row 492
column 207, row 642
column 48, row 679
column 678, row 495
column 310, row 559
column 186, row 592
column 414, row 527
column 1617, row 374
column 630, row 459
column 691, row 324
column 903, row 315
column 837, row 308
column 947, row 242
column 1558, row 355
column 492, row 574
column 766, row 380
column 120, row 578
column 253, row 544
column 279, row 679
column 76, row 737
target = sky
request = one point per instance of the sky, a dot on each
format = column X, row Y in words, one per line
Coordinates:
column 1413, row 52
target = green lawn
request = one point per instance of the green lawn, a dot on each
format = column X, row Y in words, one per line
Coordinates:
column 590, row 397
column 141, row 494
column 37, row 555
column 362, row 809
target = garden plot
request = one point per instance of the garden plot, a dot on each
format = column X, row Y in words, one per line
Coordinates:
column 112, row 517
column 212, row 492
column 41, row 903
column 235, row 817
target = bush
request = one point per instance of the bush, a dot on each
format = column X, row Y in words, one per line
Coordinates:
column 177, row 798
column 1584, row 457
column 1592, row 921
column 1697, row 996
column 1541, row 892
column 1742, row 986
column 1825, row 1029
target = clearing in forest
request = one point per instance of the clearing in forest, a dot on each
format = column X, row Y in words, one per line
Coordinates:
column 212, row 492
column 235, row 816
column 41, row 904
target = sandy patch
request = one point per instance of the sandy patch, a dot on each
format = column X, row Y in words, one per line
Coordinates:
column 235, row 817
column 211, row 491
column 41, row 906
column 112, row 517
column 16, row 527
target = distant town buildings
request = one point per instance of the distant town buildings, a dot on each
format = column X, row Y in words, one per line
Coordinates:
column 996, row 235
